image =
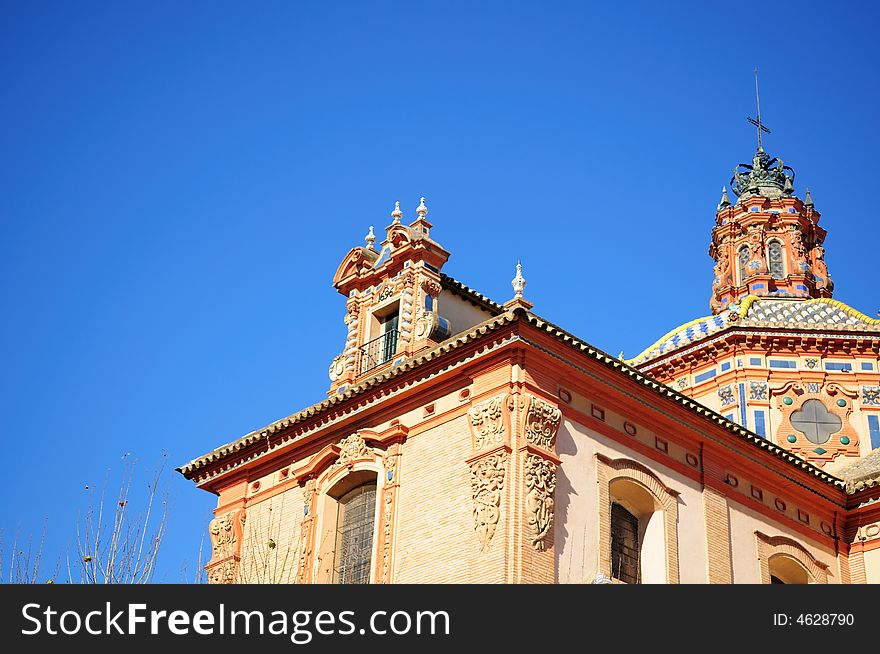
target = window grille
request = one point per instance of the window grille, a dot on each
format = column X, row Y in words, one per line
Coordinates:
column 624, row 545
column 354, row 535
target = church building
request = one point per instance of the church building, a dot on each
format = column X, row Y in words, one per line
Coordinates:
column 464, row 440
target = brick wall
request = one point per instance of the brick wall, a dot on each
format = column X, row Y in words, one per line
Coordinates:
column 435, row 540
column 274, row 520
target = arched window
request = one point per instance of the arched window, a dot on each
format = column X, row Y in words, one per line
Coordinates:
column 787, row 570
column 638, row 523
column 774, row 258
column 625, row 550
column 785, row 561
column 354, row 535
column 638, row 539
column 743, row 258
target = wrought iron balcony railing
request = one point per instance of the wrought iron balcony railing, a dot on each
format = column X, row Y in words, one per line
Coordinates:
column 378, row 351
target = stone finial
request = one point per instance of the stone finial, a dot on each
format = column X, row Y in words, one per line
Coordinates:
column 808, row 199
column 422, row 210
column 397, row 214
column 519, row 282
column 370, row 238
column 725, row 201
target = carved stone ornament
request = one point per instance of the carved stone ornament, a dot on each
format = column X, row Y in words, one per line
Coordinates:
column 226, row 538
column 542, row 423
column 337, row 367
column 353, row 448
column 487, row 422
column 222, row 536
column 431, row 287
column 487, row 483
column 425, row 323
column 223, row 573
column 540, row 485
column 226, row 535
column 304, row 550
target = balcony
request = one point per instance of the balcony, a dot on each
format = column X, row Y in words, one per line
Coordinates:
column 378, row 351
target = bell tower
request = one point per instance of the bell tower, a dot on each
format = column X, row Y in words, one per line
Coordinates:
column 769, row 243
column 393, row 299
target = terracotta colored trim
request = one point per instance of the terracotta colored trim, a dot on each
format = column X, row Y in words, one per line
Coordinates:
column 629, row 442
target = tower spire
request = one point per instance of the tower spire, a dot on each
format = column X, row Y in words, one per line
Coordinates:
column 757, row 122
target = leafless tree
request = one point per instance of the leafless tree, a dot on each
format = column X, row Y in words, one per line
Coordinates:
column 199, row 576
column 24, row 564
column 115, row 544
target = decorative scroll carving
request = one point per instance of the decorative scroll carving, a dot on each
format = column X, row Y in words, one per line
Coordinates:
column 226, row 538
column 487, row 422
column 223, row 573
column 542, row 423
column 305, row 534
column 337, row 368
column 431, row 287
column 426, row 321
column 353, row 448
column 487, row 483
column 540, row 484
column 389, row 499
column 222, row 538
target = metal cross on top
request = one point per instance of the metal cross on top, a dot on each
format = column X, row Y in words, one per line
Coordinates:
column 757, row 123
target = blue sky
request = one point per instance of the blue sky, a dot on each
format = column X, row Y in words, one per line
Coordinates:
column 179, row 181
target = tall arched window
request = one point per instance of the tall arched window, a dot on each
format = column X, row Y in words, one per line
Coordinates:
column 638, row 523
column 638, row 534
column 625, row 550
column 774, row 258
column 743, row 258
column 354, row 535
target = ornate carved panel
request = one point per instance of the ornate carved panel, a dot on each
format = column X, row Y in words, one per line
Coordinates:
column 542, row 423
column 815, row 421
column 540, row 483
column 391, row 468
column 353, row 448
column 303, row 573
column 487, row 423
column 226, row 539
column 487, row 484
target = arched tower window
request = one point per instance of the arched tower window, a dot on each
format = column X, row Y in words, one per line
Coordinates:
column 743, row 258
column 774, row 258
column 354, row 535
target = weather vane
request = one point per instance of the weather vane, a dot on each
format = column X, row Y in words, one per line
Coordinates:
column 757, row 123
